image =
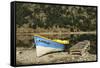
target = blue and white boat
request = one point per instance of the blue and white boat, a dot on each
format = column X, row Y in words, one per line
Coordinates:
column 45, row 45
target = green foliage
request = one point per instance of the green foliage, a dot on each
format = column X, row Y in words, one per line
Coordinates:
column 47, row 16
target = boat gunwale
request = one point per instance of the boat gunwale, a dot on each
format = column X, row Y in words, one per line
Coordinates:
column 46, row 38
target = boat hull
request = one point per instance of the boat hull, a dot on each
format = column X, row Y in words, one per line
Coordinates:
column 44, row 46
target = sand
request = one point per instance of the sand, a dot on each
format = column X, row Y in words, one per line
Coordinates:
column 27, row 56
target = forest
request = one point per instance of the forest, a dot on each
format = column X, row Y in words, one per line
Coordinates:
column 43, row 16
